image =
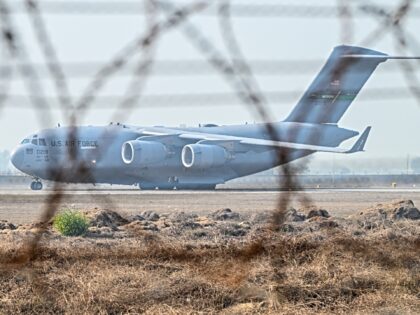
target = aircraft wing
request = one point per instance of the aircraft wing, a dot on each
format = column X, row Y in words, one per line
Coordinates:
column 209, row 138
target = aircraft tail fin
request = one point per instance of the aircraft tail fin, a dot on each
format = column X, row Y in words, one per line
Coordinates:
column 359, row 145
column 337, row 85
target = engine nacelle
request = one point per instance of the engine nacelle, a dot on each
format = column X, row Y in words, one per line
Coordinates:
column 202, row 156
column 143, row 153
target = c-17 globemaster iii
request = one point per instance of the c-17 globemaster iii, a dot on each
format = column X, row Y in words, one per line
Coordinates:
column 201, row 158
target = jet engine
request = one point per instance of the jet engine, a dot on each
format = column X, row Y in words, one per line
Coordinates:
column 202, row 156
column 143, row 153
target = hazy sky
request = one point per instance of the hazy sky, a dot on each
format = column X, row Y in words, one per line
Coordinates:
column 96, row 38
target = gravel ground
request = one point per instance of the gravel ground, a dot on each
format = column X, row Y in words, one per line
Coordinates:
column 24, row 206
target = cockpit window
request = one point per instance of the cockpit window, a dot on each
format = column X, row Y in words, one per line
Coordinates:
column 34, row 141
column 25, row 141
column 42, row 142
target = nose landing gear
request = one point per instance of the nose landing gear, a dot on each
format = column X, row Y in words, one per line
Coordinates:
column 36, row 185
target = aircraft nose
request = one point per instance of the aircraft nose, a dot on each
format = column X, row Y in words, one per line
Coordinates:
column 17, row 158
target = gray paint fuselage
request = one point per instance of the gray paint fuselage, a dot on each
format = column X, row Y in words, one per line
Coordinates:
column 98, row 150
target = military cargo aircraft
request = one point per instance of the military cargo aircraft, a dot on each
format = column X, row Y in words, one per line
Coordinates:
column 202, row 157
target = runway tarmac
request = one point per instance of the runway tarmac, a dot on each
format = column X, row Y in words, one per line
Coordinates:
column 25, row 206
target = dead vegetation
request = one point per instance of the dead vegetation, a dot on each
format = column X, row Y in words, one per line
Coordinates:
column 222, row 263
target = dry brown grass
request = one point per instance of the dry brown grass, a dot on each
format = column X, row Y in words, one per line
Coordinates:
column 333, row 269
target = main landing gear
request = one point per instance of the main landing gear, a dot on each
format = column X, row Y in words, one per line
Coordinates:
column 36, row 185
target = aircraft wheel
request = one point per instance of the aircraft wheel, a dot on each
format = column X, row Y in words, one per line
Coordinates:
column 36, row 185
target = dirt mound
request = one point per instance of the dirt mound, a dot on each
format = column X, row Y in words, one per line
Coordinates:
column 150, row 216
column 225, row 214
column 136, row 217
column 311, row 212
column 405, row 210
column 205, row 221
column 182, row 216
column 397, row 210
column 294, row 216
column 261, row 217
column 141, row 226
column 234, row 229
column 5, row 225
column 106, row 218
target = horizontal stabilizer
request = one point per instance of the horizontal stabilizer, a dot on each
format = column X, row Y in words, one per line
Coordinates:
column 360, row 143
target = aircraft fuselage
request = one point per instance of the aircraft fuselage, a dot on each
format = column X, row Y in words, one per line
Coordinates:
column 93, row 154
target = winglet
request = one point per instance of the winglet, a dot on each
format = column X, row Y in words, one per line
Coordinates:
column 360, row 143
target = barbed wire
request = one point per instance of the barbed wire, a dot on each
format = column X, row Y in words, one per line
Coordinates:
column 234, row 68
column 179, row 68
column 276, row 98
column 239, row 10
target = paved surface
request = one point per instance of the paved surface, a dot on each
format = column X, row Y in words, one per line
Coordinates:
column 25, row 206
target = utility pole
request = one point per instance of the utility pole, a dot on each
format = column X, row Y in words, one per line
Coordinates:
column 408, row 163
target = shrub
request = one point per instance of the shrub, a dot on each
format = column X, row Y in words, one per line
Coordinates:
column 71, row 223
